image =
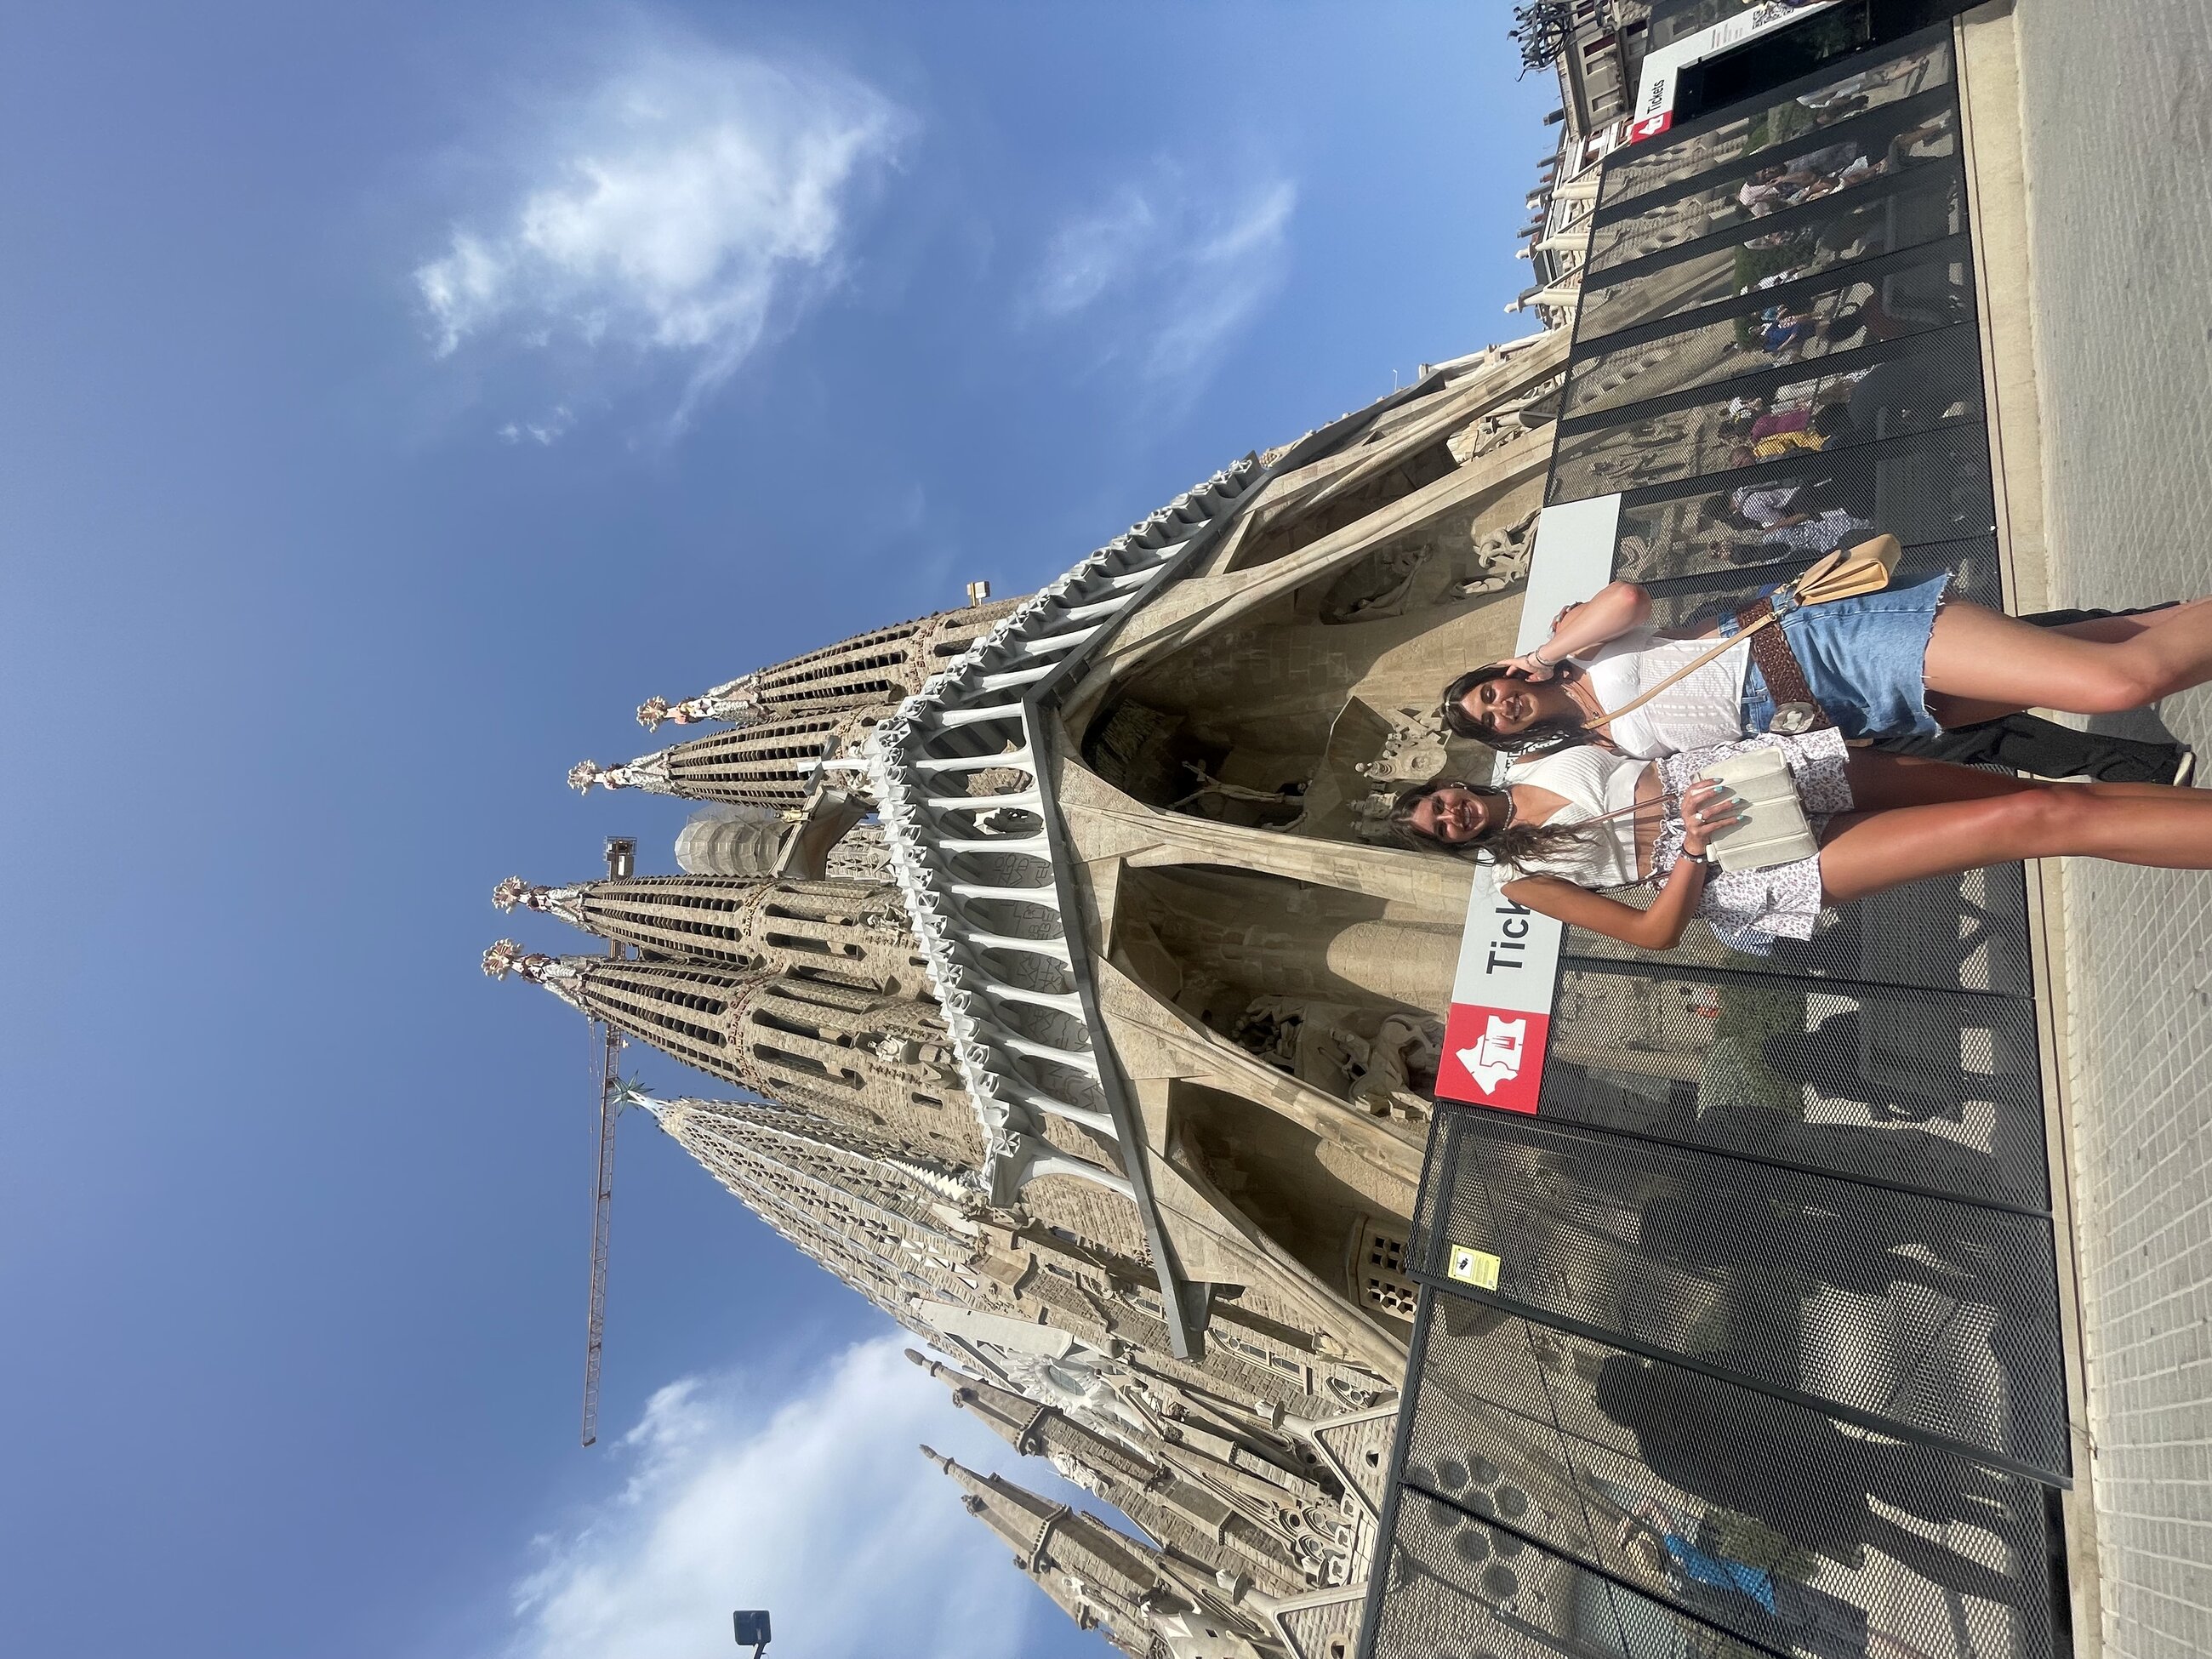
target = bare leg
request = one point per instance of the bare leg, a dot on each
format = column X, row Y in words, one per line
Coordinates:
column 1881, row 780
column 1981, row 664
column 1922, row 818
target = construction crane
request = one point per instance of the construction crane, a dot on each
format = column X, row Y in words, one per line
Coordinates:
column 622, row 861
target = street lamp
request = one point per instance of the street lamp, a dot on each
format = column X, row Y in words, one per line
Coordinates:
column 752, row 1631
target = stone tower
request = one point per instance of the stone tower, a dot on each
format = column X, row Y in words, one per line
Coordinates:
column 871, row 1060
column 851, row 933
column 1148, row 1603
column 885, row 1218
column 722, row 839
column 874, row 670
column 775, row 763
column 787, row 722
column 1193, row 1497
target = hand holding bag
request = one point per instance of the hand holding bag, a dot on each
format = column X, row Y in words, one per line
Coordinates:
column 1770, row 826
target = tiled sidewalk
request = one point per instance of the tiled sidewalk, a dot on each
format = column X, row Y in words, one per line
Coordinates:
column 2116, row 109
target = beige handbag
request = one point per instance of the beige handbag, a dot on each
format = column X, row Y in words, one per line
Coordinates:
column 1770, row 826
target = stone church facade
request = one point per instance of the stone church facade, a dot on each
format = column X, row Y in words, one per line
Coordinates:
column 1076, row 1009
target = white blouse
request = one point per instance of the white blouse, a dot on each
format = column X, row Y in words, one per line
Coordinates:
column 1696, row 712
column 1593, row 781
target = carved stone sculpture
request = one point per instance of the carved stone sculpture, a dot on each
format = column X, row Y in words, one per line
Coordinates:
column 734, row 701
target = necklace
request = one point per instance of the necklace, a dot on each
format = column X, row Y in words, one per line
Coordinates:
column 1579, row 694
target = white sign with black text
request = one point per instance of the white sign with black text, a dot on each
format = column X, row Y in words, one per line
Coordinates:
column 1508, row 957
column 1663, row 66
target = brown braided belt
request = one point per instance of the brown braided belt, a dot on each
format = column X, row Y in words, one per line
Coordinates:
column 1795, row 709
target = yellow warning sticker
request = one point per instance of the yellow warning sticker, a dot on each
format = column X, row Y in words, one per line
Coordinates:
column 1473, row 1266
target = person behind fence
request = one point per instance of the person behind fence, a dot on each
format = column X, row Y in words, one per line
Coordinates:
column 1694, row 1558
column 1806, row 1479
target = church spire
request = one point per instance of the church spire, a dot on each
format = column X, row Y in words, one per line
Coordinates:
column 1133, row 1585
column 1194, row 1520
column 854, row 933
column 1017, row 1514
column 734, row 702
column 565, row 902
column 778, row 764
column 874, row 1060
column 563, row 976
column 883, row 1217
column 879, row 669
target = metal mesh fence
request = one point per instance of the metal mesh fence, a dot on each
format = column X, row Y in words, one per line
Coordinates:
column 1928, row 1314
column 1746, row 1342
column 1891, row 152
column 1757, row 1517
column 1774, row 421
column 1458, row 1588
column 1914, row 1088
column 1966, row 932
column 1766, row 126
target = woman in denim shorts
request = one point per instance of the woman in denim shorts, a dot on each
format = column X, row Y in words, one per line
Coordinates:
column 1905, row 662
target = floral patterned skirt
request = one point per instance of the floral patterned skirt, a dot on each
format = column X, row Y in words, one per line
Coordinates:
column 1749, row 909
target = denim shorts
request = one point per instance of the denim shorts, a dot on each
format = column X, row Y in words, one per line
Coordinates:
column 1866, row 661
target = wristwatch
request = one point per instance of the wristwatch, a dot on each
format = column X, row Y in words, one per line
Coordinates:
column 1697, row 858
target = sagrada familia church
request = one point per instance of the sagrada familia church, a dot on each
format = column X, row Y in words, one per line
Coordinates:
column 1084, row 1012
column 1081, row 1014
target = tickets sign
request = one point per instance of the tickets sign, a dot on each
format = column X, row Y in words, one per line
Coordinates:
column 1663, row 65
column 1508, row 955
column 1501, row 1005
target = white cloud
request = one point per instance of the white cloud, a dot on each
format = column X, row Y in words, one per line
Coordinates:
column 676, row 214
column 1167, row 274
column 818, row 1507
column 557, row 420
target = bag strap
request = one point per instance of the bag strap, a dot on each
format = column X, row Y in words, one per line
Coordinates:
column 1682, row 673
column 1841, row 575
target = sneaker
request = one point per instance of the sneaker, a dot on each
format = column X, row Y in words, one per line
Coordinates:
column 2185, row 768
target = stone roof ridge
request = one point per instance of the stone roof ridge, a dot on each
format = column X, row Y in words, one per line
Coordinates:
column 775, row 1117
column 992, row 941
column 1204, row 501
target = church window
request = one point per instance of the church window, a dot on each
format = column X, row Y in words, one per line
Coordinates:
column 1379, row 1271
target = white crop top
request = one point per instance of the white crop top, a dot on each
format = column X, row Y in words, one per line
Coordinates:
column 1593, row 781
column 1695, row 713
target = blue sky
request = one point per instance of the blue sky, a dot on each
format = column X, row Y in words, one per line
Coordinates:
column 389, row 400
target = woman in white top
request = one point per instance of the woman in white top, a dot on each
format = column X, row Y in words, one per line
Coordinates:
column 1583, row 819
column 1899, row 663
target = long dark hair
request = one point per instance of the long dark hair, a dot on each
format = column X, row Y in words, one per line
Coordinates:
column 1520, row 845
column 1537, row 738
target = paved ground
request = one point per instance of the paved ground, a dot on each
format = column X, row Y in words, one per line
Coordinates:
column 2118, row 112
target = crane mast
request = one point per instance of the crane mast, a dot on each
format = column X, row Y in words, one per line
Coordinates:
column 622, row 852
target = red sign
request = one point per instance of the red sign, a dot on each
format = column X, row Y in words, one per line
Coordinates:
column 1493, row 1057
